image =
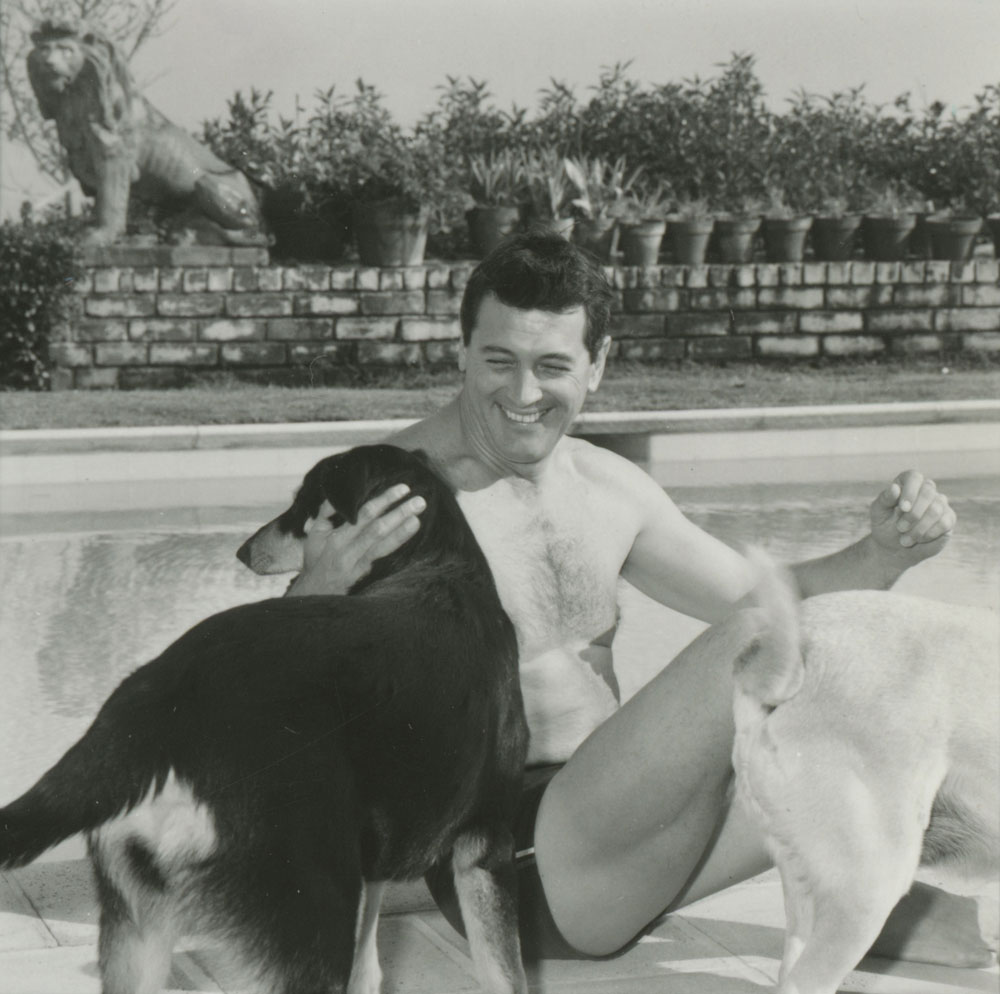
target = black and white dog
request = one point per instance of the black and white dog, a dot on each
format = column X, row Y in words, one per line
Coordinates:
column 262, row 778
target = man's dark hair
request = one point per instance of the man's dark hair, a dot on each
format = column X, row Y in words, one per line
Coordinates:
column 541, row 271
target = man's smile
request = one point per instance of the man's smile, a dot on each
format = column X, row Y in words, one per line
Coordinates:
column 522, row 417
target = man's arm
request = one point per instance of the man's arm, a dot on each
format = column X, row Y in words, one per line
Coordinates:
column 334, row 559
column 676, row 563
column 910, row 521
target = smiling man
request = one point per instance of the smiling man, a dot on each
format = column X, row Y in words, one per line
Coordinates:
column 625, row 810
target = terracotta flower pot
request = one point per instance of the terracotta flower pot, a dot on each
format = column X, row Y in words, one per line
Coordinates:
column 733, row 238
column 884, row 238
column 640, row 242
column 489, row 226
column 597, row 235
column 785, row 238
column 833, row 237
column 390, row 233
column 953, row 237
column 688, row 239
column 304, row 232
column 918, row 244
column 993, row 222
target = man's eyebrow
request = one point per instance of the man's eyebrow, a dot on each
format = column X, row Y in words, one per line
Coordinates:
column 558, row 356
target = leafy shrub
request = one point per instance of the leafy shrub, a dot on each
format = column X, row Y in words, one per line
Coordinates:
column 306, row 207
column 37, row 260
column 708, row 139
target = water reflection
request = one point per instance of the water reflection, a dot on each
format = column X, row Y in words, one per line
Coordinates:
column 80, row 611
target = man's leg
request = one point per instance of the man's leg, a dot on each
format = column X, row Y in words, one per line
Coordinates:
column 639, row 820
column 625, row 825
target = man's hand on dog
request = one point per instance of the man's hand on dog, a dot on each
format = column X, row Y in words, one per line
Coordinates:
column 911, row 519
column 335, row 559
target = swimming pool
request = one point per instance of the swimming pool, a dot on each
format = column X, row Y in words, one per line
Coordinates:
column 86, row 596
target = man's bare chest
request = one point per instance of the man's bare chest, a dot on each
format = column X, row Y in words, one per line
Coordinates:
column 555, row 566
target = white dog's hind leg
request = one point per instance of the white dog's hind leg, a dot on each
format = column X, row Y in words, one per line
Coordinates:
column 850, row 899
column 798, row 920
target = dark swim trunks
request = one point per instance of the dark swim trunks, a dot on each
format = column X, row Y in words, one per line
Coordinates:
column 540, row 937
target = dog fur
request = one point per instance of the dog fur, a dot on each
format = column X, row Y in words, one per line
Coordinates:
column 261, row 779
column 867, row 744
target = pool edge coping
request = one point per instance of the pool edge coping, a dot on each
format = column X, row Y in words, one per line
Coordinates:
column 52, row 441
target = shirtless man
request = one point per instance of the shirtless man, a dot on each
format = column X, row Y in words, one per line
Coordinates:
column 631, row 802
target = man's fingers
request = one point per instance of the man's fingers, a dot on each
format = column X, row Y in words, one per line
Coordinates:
column 937, row 520
column 386, row 525
column 888, row 497
column 377, row 505
column 918, row 506
column 909, row 484
column 391, row 541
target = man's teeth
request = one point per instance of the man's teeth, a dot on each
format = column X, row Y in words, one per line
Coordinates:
column 522, row 419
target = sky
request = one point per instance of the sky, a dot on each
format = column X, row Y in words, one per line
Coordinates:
column 944, row 50
column 937, row 49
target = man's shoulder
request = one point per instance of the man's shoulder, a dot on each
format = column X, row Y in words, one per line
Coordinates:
column 606, row 468
column 430, row 434
column 414, row 436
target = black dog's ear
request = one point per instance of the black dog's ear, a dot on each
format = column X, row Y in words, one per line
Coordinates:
column 345, row 486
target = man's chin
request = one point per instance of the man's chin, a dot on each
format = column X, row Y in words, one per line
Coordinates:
column 529, row 448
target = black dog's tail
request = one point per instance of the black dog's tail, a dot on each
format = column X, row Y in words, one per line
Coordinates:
column 105, row 773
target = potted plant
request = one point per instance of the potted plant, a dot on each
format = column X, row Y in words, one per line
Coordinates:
column 689, row 228
column 952, row 232
column 303, row 204
column 400, row 181
column 834, row 229
column 889, row 219
column 785, row 229
column 498, row 185
column 986, row 198
column 600, row 187
column 400, row 188
column 548, row 190
column 735, row 230
column 642, row 224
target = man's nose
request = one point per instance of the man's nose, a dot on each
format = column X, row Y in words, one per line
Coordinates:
column 526, row 388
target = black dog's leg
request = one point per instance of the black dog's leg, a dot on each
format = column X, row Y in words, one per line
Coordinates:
column 483, row 863
column 297, row 911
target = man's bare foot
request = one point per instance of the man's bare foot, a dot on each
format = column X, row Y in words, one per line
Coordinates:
column 930, row 925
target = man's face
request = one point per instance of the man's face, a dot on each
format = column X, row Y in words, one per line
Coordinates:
column 527, row 374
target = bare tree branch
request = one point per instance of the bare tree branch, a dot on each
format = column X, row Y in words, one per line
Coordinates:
column 129, row 24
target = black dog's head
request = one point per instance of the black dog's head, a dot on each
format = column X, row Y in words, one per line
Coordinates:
column 347, row 481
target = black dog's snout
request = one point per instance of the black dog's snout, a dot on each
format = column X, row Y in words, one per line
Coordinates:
column 243, row 552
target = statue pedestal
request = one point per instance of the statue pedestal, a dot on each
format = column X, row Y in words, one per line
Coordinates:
column 173, row 255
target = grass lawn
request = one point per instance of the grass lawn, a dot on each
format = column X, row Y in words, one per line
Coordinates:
column 408, row 394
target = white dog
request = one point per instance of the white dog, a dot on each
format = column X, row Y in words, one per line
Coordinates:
column 867, row 744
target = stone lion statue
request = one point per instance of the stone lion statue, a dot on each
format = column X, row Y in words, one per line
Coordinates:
column 117, row 142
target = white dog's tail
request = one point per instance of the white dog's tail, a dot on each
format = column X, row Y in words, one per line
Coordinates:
column 770, row 670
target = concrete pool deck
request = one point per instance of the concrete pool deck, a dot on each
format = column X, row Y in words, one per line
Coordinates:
column 727, row 944
column 119, row 468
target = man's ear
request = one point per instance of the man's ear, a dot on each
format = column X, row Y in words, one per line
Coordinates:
column 462, row 356
column 598, row 363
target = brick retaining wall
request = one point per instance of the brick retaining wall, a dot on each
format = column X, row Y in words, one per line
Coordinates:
column 224, row 309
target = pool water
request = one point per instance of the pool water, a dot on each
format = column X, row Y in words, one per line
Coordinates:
column 84, row 599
